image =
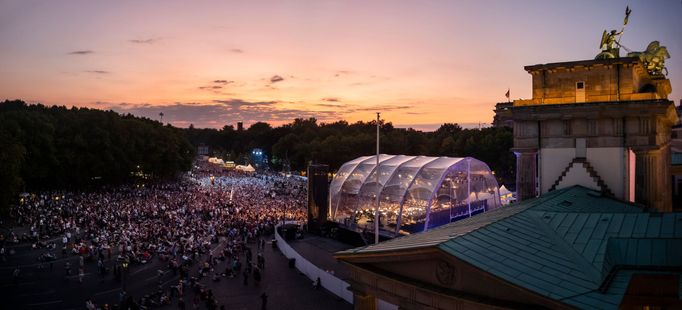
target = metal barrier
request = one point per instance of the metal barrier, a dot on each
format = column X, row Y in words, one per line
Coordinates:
column 331, row 283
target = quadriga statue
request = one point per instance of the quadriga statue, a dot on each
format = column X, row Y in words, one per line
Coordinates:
column 653, row 58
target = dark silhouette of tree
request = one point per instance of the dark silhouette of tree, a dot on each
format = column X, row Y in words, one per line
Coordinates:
column 58, row 148
column 305, row 140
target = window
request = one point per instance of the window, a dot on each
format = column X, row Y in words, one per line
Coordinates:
column 580, row 91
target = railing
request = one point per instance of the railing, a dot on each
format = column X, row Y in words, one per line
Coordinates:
column 328, row 281
column 331, row 283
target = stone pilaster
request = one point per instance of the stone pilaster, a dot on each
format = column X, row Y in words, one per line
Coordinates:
column 363, row 301
column 526, row 173
column 652, row 178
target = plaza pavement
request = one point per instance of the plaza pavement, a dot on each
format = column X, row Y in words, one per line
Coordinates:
column 53, row 289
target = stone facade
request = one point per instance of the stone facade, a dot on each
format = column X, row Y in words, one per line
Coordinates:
column 429, row 279
column 610, row 115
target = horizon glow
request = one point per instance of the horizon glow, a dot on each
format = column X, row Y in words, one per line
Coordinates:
column 215, row 63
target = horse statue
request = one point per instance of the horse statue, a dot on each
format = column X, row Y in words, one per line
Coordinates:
column 653, row 58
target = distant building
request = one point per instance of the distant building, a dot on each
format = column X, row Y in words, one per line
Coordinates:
column 676, row 160
column 676, row 133
column 240, row 126
column 603, row 124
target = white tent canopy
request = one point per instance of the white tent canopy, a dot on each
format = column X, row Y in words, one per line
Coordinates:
column 504, row 190
column 216, row 160
column 247, row 168
column 415, row 193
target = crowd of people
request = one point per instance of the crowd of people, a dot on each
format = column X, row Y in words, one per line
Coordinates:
column 179, row 223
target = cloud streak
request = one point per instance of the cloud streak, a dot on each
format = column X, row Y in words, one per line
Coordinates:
column 98, row 71
column 383, row 108
column 144, row 41
column 276, row 79
column 221, row 112
column 238, row 103
column 81, row 52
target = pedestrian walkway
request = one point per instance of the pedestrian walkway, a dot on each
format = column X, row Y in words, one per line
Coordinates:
column 285, row 287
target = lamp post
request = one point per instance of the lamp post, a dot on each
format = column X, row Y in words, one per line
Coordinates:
column 376, row 169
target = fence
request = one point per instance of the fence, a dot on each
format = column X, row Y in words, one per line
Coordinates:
column 328, row 281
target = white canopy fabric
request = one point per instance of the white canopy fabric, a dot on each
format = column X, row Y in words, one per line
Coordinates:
column 247, row 168
column 216, row 160
column 415, row 192
column 504, row 191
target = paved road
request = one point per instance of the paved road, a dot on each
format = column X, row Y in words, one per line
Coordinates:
column 52, row 289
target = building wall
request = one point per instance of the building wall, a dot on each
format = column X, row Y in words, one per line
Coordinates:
column 611, row 80
column 552, row 164
column 409, row 293
column 608, row 162
column 578, row 175
column 601, row 83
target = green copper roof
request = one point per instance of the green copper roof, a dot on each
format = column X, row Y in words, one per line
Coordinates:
column 562, row 245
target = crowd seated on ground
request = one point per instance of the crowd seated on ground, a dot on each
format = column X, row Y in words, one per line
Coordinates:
column 174, row 222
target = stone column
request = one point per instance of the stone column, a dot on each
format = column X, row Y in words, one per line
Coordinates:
column 652, row 186
column 364, row 301
column 526, row 173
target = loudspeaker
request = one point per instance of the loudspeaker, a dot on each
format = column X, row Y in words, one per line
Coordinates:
column 318, row 196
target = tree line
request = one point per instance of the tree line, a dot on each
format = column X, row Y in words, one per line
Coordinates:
column 73, row 148
column 305, row 140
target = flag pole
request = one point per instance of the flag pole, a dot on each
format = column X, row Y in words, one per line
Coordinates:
column 376, row 208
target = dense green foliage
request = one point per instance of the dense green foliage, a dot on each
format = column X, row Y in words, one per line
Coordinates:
column 305, row 140
column 55, row 147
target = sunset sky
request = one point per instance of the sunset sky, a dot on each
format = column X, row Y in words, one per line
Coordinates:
column 214, row 63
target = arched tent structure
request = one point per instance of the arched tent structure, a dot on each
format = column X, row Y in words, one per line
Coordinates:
column 416, row 193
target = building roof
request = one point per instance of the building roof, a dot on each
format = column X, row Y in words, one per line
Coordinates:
column 584, row 63
column 564, row 245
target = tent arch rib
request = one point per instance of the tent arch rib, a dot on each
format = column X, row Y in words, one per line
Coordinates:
column 412, row 192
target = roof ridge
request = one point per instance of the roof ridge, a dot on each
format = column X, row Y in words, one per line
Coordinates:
column 587, row 268
column 532, row 203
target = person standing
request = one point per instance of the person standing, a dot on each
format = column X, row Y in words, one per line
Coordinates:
column 81, row 274
column 90, row 305
column 264, row 301
column 256, row 276
column 15, row 275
